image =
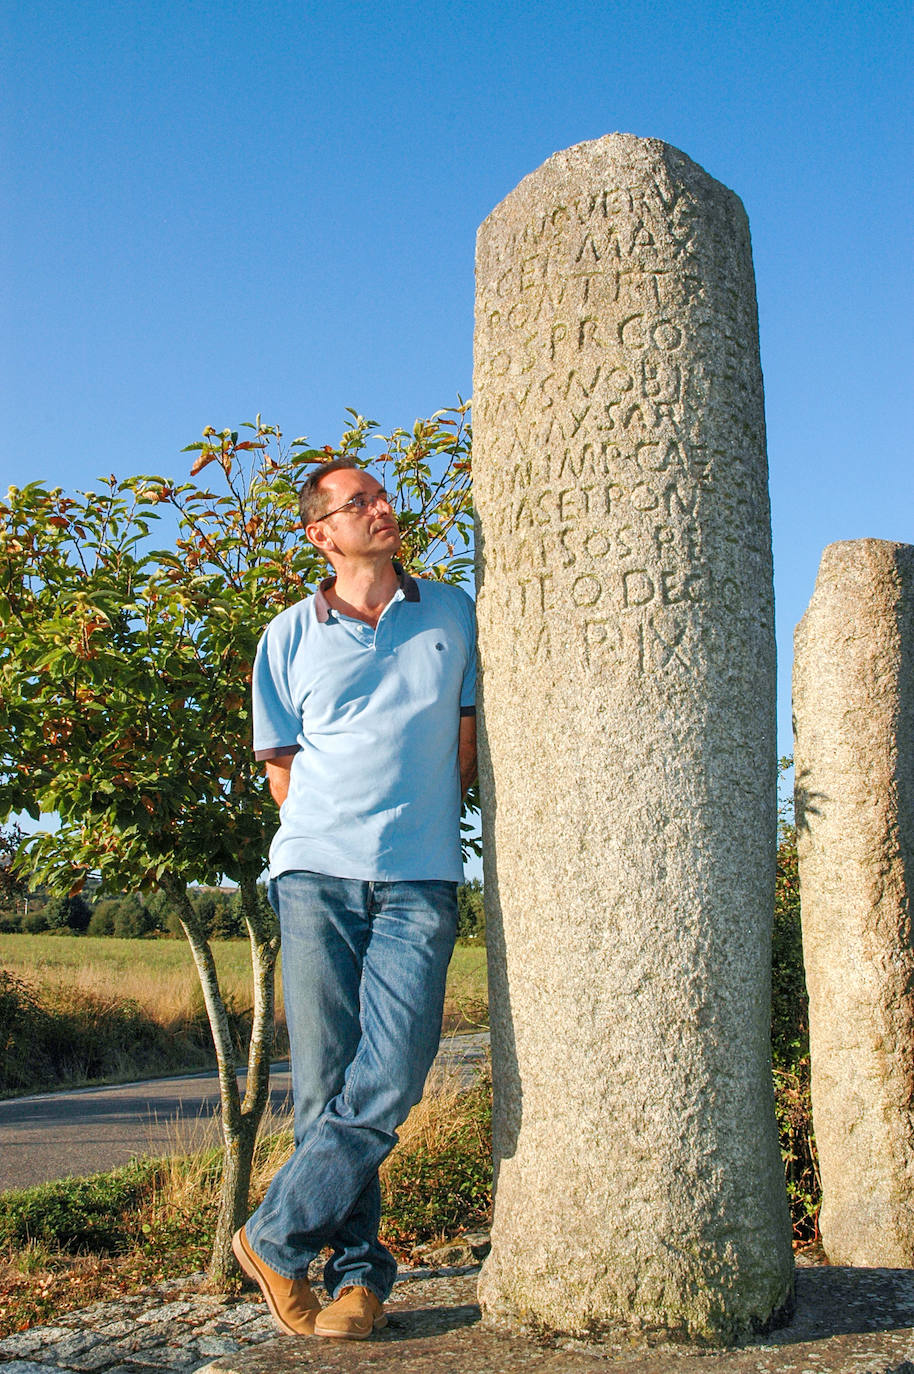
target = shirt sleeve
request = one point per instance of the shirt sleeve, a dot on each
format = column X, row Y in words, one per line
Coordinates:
column 277, row 723
column 468, row 687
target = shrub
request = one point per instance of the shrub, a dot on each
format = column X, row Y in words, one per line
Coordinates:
column 133, row 921
column 157, row 1217
column 101, row 922
column 76, row 1214
column 22, row 1029
column 68, row 913
column 789, row 999
column 126, row 917
column 790, row 1046
column 67, row 1035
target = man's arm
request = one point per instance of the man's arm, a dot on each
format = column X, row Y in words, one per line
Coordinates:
column 466, row 752
column 278, row 770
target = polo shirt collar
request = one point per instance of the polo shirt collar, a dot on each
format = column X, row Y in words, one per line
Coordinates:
column 408, row 586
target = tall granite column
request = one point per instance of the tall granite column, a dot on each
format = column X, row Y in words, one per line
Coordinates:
column 628, row 753
column 854, row 777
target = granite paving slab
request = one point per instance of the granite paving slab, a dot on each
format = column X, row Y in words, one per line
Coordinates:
column 846, row 1321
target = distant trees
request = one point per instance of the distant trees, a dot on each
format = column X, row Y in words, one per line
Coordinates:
column 125, row 915
column 69, row 913
column 471, row 914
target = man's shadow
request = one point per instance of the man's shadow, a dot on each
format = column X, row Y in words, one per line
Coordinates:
column 412, row 1324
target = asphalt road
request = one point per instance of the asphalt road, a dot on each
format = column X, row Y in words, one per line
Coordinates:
column 86, row 1130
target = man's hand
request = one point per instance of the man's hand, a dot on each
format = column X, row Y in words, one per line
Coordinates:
column 466, row 753
column 278, row 776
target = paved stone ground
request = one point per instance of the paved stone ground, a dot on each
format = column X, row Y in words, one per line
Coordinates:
column 847, row 1321
column 177, row 1327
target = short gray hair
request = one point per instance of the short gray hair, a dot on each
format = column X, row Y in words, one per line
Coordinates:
column 312, row 502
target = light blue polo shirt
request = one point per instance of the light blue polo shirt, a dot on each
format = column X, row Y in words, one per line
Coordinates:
column 372, row 717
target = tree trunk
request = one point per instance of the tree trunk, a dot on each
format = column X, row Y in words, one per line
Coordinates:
column 240, row 1120
column 237, row 1158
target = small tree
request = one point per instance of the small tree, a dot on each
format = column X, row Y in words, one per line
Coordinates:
column 132, row 918
column 124, row 686
column 229, row 920
column 69, row 913
column 104, row 914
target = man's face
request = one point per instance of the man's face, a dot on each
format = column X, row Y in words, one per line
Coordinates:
column 357, row 532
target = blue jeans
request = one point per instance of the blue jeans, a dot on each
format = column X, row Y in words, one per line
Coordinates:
column 363, row 971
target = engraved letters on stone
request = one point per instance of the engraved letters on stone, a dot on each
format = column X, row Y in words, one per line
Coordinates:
column 628, row 756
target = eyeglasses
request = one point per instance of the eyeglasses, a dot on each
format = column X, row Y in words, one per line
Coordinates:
column 361, row 502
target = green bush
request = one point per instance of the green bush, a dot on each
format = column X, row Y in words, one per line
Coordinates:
column 77, row 1214
column 790, row 1045
column 789, row 999
column 69, row 913
column 126, row 917
column 68, row 1036
column 101, row 922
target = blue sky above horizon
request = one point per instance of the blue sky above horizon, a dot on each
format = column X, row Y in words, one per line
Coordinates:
column 216, row 209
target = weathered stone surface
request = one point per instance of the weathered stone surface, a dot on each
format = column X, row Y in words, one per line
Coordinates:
column 846, row 1322
column 628, row 756
column 854, row 772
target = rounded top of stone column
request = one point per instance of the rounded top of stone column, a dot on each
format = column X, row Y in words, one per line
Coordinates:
column 852, row 567
column 626, row 157
column 854, row 552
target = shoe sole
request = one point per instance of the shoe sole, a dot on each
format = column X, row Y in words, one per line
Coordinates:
column 248, row 1262
column 378, row 1325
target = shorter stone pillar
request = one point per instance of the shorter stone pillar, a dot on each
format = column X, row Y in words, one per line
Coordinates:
column 854, row 778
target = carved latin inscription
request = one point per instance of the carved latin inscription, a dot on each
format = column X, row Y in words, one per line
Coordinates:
column 627, row 750
column 616, row 399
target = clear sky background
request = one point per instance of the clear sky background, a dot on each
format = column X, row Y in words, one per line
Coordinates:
column 215, row 209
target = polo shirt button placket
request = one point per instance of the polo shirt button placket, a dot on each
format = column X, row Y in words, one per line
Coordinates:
column 382, row 625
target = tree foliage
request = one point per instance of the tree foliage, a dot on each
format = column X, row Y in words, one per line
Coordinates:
column 125, row 672
column 13, row 883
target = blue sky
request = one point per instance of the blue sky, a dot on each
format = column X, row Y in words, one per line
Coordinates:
column 212, row 210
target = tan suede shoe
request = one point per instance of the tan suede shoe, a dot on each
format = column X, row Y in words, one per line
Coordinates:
column 352, row 1317
column 292, row 1304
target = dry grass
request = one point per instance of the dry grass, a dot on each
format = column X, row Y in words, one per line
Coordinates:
column 188, row 1178
column 431, row 1124
column 187, row 1175
column 466, row 1005
column 108, row 987
column 158, row 976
